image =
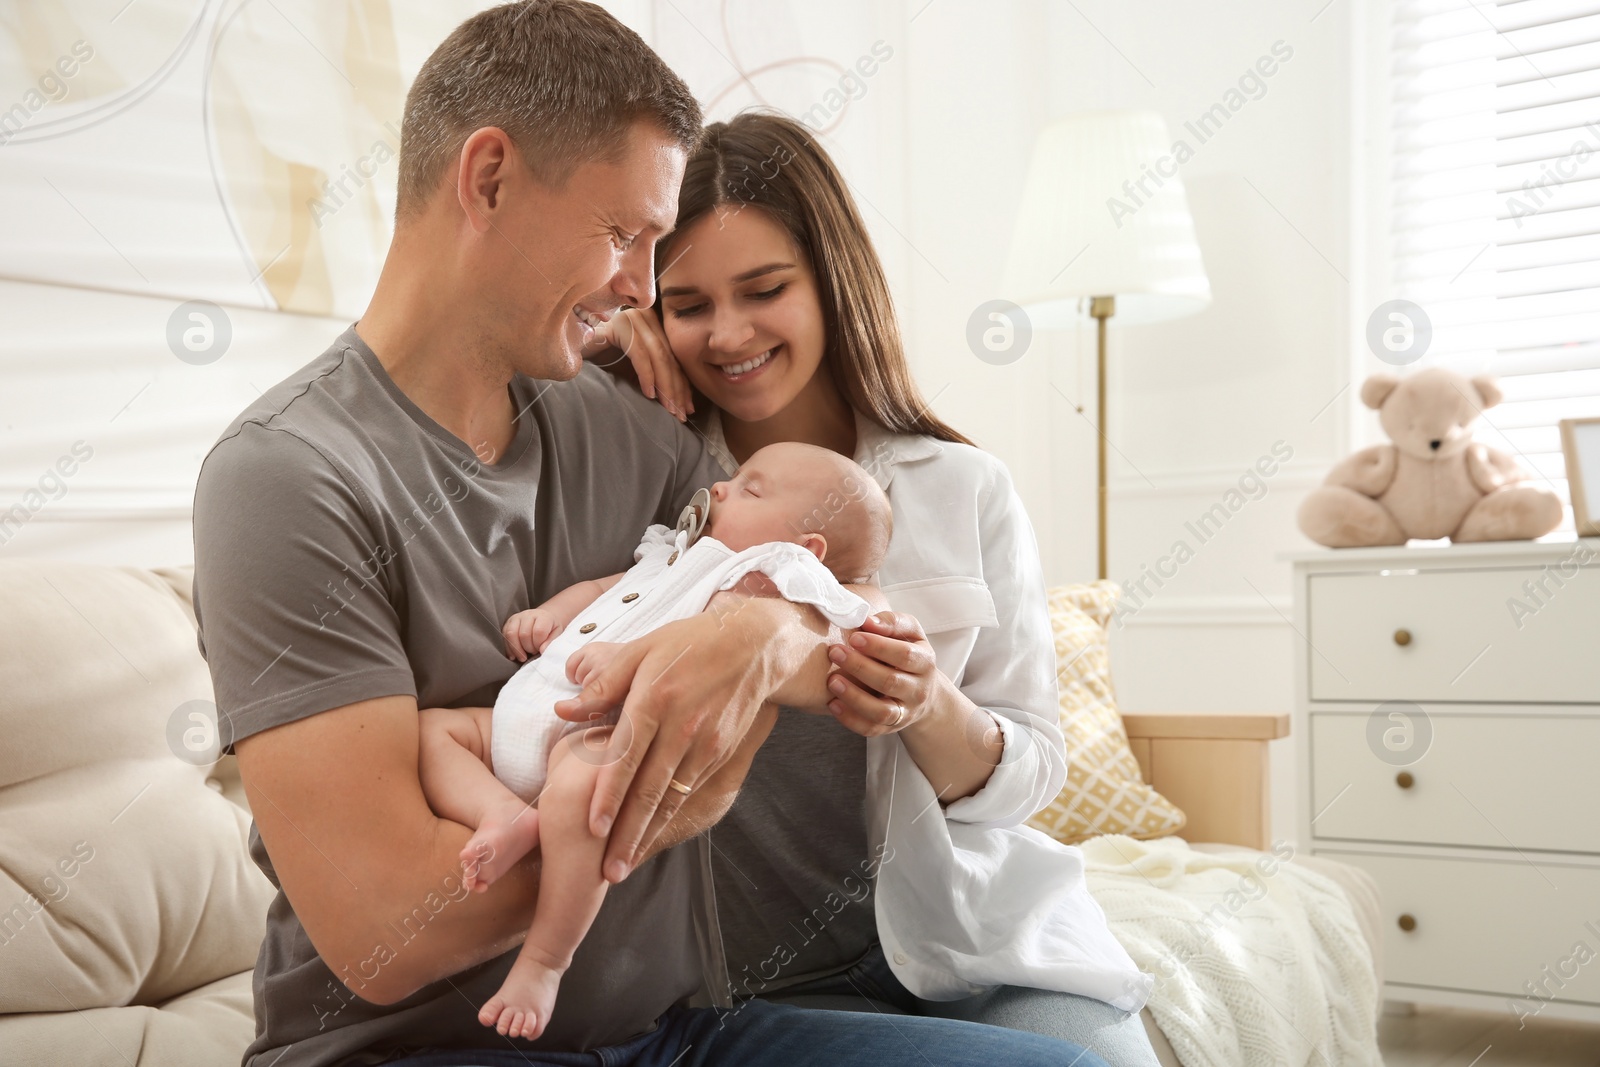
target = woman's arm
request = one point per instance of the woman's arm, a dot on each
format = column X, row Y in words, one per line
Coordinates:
column 1012, row 670
column 888, row 682
column 993, row 747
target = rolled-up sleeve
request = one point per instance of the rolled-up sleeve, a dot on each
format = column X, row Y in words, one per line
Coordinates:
column 1012, row 670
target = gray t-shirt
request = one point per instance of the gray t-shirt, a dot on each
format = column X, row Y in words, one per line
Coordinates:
column 790, row 859
column 349, row 547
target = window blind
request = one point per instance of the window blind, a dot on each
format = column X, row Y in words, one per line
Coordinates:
column 1495, row 220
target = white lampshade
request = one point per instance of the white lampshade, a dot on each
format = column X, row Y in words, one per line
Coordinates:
column 1084, row 199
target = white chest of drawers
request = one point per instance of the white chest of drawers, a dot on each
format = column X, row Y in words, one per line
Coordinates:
column 1448, row 741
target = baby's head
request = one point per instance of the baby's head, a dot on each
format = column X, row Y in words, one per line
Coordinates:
column 809, row 496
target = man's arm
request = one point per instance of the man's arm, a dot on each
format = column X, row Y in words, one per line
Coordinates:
column 690, row 692
column 358, row 852
column 296, row 616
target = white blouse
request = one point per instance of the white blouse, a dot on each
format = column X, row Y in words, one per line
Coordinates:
column 975, row 899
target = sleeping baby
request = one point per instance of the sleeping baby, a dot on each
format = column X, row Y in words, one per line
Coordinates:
column 796, row 522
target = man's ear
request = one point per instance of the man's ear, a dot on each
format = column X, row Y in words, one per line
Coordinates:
column 486, row 161
column 1376, row 389
column 815, row 544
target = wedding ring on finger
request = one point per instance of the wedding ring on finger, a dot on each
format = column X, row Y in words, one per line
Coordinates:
column 899, row 714
column 678, row 786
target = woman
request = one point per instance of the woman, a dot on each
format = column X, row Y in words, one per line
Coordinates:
column 773, row 307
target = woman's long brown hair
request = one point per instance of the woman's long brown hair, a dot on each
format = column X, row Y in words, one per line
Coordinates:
column 769, row 161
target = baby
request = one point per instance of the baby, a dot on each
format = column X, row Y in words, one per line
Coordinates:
column 796, row 521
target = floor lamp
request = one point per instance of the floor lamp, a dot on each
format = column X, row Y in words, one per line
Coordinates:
column 1104, row 230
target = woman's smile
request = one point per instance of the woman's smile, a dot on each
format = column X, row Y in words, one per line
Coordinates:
column 746, row 370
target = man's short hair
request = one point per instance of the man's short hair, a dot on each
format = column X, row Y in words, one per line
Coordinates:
column 563, row 78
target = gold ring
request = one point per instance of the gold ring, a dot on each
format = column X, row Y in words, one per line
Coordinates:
column 679, row 786
column 899, row 713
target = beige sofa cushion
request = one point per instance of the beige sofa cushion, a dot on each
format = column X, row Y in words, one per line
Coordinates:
column 124, row 876
column 207, row 1027
column 1104, row 791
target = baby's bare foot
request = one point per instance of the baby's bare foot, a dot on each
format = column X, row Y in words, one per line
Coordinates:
column 522, row 1006
column 507, row 834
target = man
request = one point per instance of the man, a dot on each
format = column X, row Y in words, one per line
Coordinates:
column 364, row 529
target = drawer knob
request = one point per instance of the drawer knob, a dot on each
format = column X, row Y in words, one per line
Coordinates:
column 1408, row 923
column 1404, row 780
column 1402, row 637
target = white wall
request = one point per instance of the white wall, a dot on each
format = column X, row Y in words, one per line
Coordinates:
column 94, row 367
column 936, row 148
column 1201, row 400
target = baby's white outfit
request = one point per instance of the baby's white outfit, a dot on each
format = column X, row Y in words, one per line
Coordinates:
column 675, row 575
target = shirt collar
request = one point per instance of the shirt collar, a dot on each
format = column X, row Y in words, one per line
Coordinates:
column 878, row 450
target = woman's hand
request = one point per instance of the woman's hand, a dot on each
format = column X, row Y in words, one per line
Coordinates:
column 887, row 682
column 637, row 334
column 886, row 678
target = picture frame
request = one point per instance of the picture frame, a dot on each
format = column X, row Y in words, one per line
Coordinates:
column 1580, row 443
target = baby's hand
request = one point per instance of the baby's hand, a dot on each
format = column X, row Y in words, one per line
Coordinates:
column 530, row 631
column 590, row 660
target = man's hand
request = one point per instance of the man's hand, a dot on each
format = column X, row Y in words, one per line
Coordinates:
column 689, row 693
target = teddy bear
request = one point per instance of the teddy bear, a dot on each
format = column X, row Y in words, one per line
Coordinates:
column 1433, row 480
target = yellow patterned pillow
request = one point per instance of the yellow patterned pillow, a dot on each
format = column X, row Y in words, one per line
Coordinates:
column 1105, row 793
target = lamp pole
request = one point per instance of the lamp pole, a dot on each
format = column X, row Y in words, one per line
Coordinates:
column 1102, row 308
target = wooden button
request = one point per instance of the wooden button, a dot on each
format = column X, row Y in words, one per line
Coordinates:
column 1402, row 638
column 630, row 598
column 1404, row 780
column 586, row 628
column 672, row 559
column 1408, row 923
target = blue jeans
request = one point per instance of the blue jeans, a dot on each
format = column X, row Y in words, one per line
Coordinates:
column 760, row 1033
column 1116, row 1036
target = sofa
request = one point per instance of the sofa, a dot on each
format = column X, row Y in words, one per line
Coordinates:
column 132, row 914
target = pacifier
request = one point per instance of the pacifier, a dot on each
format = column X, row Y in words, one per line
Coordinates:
column 696, row 513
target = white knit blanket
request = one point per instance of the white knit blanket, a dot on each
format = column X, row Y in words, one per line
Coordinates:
column 1258, row 961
